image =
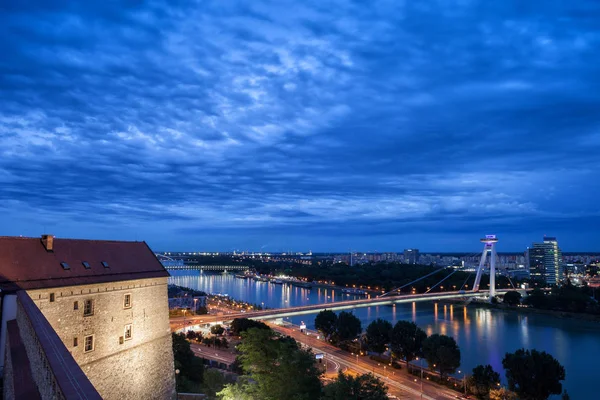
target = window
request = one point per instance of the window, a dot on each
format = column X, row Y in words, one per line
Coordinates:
column 65, row 265
column 76, row 305
column 51, row 297
column 89, row 343
column 127, row 301
column 88, row 308
column 128, row 332
column 86, row 265
column 75, row 342
column 104, row 264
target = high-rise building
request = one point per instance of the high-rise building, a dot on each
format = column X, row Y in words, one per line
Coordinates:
column 411, row 256
column 545, row 261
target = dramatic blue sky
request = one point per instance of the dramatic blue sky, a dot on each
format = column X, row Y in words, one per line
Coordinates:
column 323, row 125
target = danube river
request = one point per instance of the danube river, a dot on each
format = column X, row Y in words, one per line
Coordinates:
column 484, row 336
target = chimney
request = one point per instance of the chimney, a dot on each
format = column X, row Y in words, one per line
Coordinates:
column 48, row 242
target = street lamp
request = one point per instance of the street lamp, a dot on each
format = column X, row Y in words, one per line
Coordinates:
column 464, row 381
column 421, row 368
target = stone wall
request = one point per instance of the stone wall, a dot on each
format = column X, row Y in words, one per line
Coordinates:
column 141, row 367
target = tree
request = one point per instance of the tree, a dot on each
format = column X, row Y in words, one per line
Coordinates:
column 442, row 353
column 217, row 329
column 407, row 341
column 537, row 299
column 241, row 390
column 240, row 325
column 378, row 335
column 325, row 322
column 484, row 379
column 363, row 387
column 193, row 335
column 280, row 368
column 214, row 381
column 190, row 367
column 533, row 375
column 502, row 394
column 347, row 326
column 512, row 298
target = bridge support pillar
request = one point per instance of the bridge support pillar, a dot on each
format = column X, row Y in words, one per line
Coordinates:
column 489, row 247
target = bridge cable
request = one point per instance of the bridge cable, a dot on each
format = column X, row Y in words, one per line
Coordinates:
column 434, row 286
column 415, row 281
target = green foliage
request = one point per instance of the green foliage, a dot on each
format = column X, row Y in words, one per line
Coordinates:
column 190, row 367
column 379, row 333
column 502, row 394
column 217, row 329
column 241, row 390
column 512, row 298
column 363, row 387
column 240, row 325
column 325, row 322
column 484, row 379
column 533, row 375
column 407, row 341
column 564, row 298
column 214, row 382
column 442, row 354
column 193, row 335
column 280, row 368
column 347, row 326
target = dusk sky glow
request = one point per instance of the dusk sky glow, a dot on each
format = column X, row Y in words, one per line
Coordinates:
column 297, row 125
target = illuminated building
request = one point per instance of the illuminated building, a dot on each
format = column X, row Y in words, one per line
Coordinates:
column 101, row 306
column 545, row 261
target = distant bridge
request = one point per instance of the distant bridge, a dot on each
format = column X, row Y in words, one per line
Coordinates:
column 187, row 267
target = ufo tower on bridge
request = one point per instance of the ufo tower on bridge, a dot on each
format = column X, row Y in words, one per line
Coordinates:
column 489, row 247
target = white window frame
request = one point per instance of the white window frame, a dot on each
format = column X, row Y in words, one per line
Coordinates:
column 130, row 300
column 85, row 338
column 92, row 307
column 130, row 326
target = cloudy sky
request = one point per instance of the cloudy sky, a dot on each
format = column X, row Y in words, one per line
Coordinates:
column 323, row 125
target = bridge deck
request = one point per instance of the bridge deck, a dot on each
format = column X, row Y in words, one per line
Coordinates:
column 338, row 305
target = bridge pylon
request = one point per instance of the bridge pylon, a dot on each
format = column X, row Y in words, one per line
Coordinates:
column 489, row 247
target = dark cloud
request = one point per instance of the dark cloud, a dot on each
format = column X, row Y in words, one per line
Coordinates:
column 302, row 125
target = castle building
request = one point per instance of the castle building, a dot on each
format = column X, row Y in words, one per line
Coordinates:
column 107, row 303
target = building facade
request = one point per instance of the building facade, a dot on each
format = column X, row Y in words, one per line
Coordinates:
column 411, row 256
column 545, row 261
column 107, row 301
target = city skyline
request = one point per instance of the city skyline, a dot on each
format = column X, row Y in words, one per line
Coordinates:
column 248, row 126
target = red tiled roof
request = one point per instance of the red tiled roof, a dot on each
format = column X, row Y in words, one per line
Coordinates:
column 25, row 263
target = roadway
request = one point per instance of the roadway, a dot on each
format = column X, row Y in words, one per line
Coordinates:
column 178, row 322
column 399, row 382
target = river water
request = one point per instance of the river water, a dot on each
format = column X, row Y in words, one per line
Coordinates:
column 484, row 336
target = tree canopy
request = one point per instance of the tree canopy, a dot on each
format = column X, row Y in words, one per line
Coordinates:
column 280, row 368
column 442, row 353
column 533, row 375
column 363, row 387
column 240, row 325
column 338, row 328
column 483, row 380
column 512, row 298
column 325, row 322
column 217, row 329
column 379, row 333
column 347, row 326
column 407, row 341
column 190, row 367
